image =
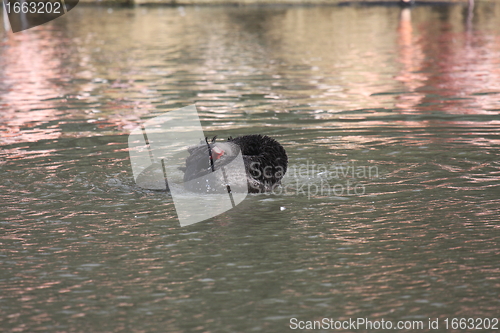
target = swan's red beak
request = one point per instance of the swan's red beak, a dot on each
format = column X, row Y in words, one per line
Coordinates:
column 217, row 153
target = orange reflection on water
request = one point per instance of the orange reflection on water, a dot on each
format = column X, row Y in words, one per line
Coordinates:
column 454, row 69
column 411, row 57
column 29, row 61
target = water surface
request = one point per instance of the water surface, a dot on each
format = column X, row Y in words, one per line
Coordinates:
column 390, row 208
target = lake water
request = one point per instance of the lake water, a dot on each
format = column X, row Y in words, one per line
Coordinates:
column 390, row 209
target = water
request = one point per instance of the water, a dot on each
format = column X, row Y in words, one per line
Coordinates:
column 410, row 97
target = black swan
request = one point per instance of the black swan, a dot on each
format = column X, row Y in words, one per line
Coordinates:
column 264, row 158
column 265, row 162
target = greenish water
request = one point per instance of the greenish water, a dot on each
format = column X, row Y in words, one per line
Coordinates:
column 398, row 109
